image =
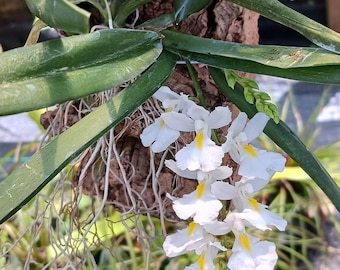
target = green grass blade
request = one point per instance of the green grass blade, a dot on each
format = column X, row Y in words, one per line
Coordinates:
column 283, row 136
column 20, row 186
column 314, row 31
column 304, row 64
column 56, row 71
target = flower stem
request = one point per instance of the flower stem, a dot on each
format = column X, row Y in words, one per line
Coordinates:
column 196, row 84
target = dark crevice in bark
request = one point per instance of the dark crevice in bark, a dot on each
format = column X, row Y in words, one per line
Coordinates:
column 212, row 24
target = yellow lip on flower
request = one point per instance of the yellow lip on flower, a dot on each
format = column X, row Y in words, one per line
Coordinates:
column 199, row 140
column 250, row 150
column 201, row 261
column 162, row 123
column 245, row 242
column 253, row 203
column 192, row 226
column 200, row 190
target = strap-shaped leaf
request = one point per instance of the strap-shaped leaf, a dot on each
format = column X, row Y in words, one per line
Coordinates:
column 124, row 9
column 61, row 14
column 305, row 64
column 184, row 8
column 269, row 55
column 164, row 20
column 20, row 186
column 314, row 31
column 284, row 137
column 56, row 71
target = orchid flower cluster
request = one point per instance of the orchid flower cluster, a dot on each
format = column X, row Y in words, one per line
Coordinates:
column 201, row 160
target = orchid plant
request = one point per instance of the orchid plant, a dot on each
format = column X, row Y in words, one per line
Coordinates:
column 201, row 160
column 101, row 53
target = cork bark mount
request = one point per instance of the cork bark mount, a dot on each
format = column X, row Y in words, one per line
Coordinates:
column 138, row 182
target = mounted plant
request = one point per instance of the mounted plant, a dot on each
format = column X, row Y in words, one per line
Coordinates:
column 103, row 81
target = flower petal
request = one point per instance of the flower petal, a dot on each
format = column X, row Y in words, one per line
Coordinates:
column 206, row 257
column 262, row 256
column 219, row 117
column 171, row 164
column 205, row 157
column 223, row 190
column 270, row 218
column 203, row 209
column 164, row 93
column 185, row 240
column 217, row 228
column 260, row 163
column 165, row 137
column 220, row 173
column 178, row 121
column 255, row 126
column 150, row 133
column 238, row 124
column 256, row 183
column 198, row 113
column 159, row 135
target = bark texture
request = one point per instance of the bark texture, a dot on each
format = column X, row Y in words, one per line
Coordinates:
column 13, row 11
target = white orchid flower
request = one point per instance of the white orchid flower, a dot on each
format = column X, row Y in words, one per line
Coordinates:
column 220, row 173
column 206, row 258
column 201, row 154
column 252, row 161
column 186, row 240
column 200, row 204
column 172, row 101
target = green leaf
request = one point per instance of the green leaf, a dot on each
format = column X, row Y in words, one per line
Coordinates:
column 282, row 135
column 261, row 107
column 124, row 9
column 115, row 6
column 98, row 16
column 61, row 14
column 231, row 78
column 184, row 8
column 23, row 183
column 56, row 71
column 248, row 95
column 164, row 20
column 304, row 64
column 250, row 83
column 276, row 11
column 264, row 96
column 251, row 95
column 269, row 55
